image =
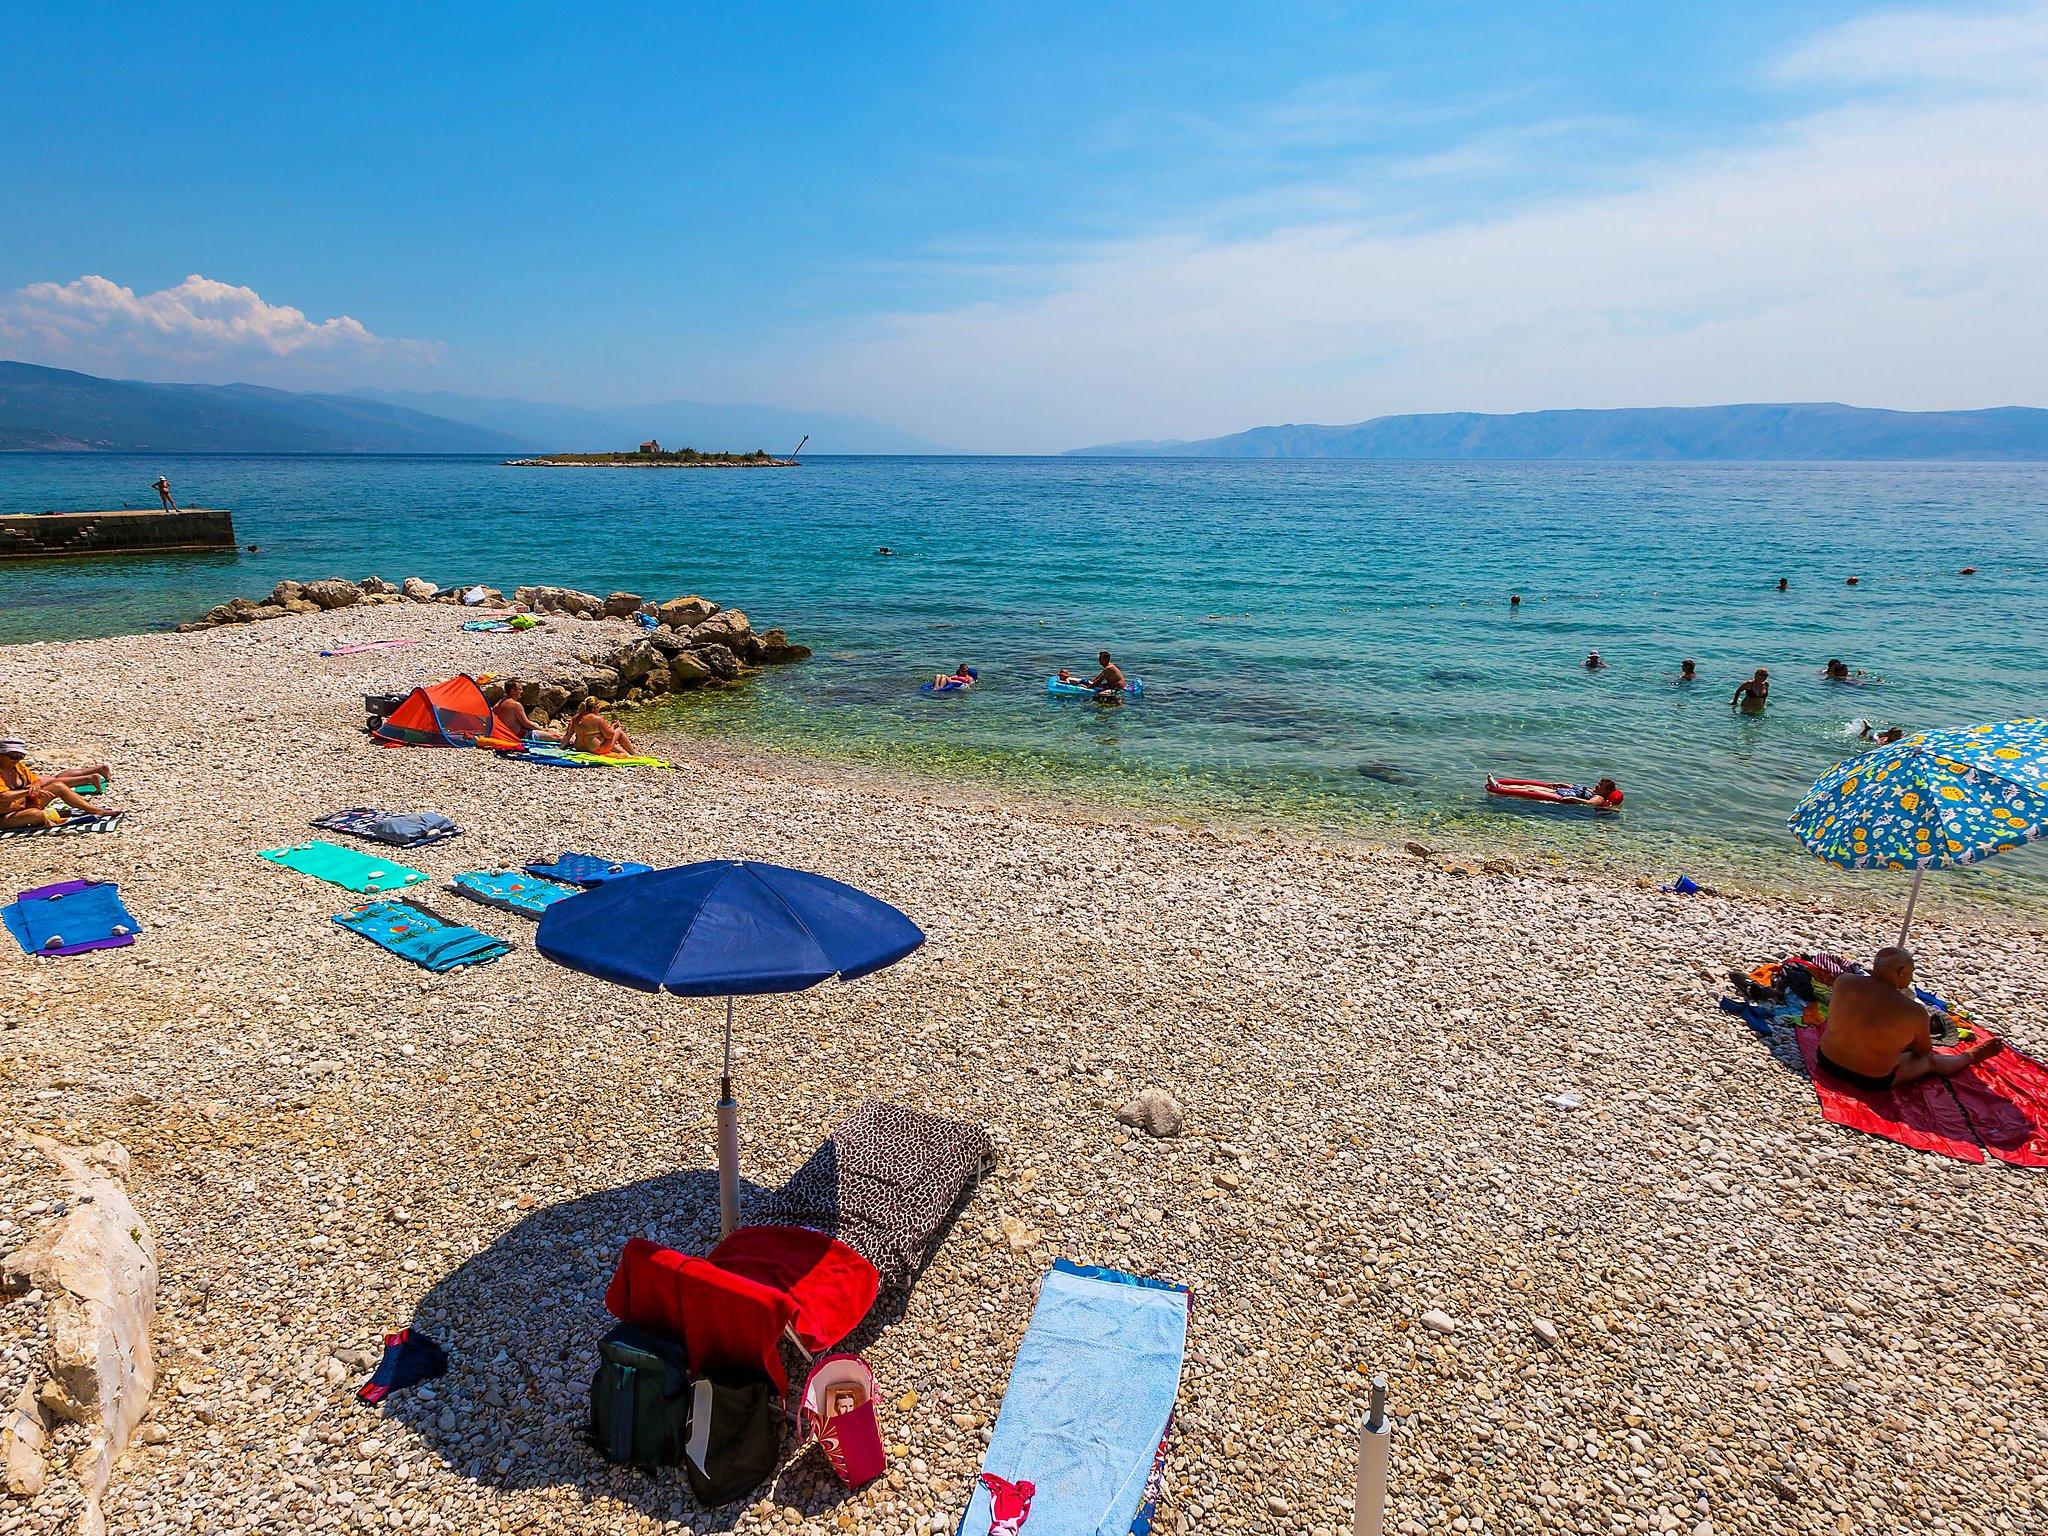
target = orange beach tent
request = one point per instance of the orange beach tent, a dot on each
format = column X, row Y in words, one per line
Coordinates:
column 450, row 714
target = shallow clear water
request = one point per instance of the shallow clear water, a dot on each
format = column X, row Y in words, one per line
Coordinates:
column 1322, row 641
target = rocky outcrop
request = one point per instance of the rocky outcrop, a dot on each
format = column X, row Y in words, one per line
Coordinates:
column 95, row 1270
column 692, row 641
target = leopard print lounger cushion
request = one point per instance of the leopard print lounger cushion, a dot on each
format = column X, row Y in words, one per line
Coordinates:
column 885, row 1183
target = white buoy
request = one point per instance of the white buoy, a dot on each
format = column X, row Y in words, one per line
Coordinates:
column 1375, row 1452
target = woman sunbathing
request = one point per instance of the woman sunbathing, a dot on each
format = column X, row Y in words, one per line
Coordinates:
column 29, row 799
column 589, row 731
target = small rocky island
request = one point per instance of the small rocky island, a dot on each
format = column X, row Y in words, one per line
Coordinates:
column 651, row 455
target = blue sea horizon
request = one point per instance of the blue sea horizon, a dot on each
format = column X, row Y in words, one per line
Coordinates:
column 1325, row 643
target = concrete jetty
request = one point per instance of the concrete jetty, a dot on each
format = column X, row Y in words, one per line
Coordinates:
column 56, row 535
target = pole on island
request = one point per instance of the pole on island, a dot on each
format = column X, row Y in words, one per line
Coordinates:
column 799, row 448
column 1375, row 1453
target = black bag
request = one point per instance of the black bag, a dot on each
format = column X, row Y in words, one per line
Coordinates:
column 640, row 1399
column 734, row 1439
column 646, row 1411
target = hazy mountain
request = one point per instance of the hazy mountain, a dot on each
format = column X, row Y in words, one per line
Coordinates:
column 675, row 423
column 1671, row 433
column 53, row 408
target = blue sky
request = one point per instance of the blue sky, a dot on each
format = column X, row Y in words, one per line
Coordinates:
column 1029, row 227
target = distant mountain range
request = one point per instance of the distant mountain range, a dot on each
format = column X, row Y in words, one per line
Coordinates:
column 54, row 409
column 1706, row 433
column 674, row 423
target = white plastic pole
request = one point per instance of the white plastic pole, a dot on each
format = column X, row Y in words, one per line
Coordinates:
column 728, row 1140
column 1911, row 902
column 1375, row 1453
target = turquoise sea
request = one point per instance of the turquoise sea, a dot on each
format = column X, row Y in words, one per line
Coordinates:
column 1323, row 642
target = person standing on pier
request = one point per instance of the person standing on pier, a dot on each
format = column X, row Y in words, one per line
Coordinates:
column 163, row 489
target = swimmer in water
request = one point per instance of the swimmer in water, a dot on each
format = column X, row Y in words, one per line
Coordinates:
column 1751, row 694
column 1784, row 585
column 1593, row 663
column 1687, row 671
column 1883, row 738
column 1514, row 600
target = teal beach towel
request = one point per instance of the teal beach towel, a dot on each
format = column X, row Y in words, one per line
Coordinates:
column 415, row 934
column 511, row 890
column 352, row 871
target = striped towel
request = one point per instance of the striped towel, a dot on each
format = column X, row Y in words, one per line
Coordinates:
column 97, row 822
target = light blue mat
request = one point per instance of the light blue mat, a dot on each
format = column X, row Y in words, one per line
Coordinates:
column 1091, row 1396
column 511, row 890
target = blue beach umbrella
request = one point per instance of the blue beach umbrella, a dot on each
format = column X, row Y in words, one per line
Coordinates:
column 725, row 928
column 1931, row 801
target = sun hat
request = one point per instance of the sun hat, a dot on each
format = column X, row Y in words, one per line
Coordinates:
column 13, row 746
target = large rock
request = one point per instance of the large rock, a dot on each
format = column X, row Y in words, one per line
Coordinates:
column 686, row 671
column 332, row 592
column 728, row 627
column 236, row 610
column 300, row 605
column 562, row 600
column 97, row 1268
column 622, row 605
column 602, row 682
column 24, row 1432
column 377, row 585
column 287, row 592
column 418, row 588
column 657, row 681
column 635, row 661
column 685, row 612
column 1153, row 1111
column 718, row 660
column 777, row 649
column 550, row 699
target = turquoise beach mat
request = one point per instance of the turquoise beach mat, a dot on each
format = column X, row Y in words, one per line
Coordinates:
column 511, row 890
column 1090, row 1400
column 345, row 867
column 417, row 935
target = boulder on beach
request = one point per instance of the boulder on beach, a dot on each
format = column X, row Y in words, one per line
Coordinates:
column 418, row 588
column 686, row 671
column 285, row 593
column 685, row 612
column 622, row 605
column 377, row 585
column 718, row 660
column 1154, row 1111
column 332, row 592
column 777, row 649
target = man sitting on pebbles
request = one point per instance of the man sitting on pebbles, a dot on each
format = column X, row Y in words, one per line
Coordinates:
column 29, row 799
column 510, row 713
column 1878, row 1035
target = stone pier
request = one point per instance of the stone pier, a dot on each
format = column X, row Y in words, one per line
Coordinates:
column 56, row 535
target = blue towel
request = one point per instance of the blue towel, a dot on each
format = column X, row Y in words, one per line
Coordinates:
column 417, row 935
column 511, row 890
column 69, row 918
column 587, row 869
column 1089, row 1403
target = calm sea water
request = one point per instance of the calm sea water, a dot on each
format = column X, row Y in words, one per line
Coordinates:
column 1322, row 641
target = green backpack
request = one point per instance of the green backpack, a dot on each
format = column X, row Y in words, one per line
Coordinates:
column 640, row 1399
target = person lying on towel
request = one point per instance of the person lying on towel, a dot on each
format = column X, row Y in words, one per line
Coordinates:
column 513, row 721
column 30, row 799
column 589, row 731
column 1878, row 1035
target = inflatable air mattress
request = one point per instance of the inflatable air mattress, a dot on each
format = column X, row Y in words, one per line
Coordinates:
column 1130, row 690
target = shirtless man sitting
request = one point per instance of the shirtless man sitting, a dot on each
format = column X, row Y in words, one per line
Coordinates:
column 510, row 713
column 1878, row 1035
column 1110, row 679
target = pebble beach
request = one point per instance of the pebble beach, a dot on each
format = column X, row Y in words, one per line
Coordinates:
column 1481, row 1129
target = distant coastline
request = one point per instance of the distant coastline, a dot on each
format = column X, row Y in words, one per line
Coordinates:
column 681, row 458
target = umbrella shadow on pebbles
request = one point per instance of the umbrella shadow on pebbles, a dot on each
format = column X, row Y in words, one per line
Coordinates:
column 521, row 1321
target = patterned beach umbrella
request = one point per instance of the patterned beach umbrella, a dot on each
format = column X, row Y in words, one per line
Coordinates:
column 1933, row 800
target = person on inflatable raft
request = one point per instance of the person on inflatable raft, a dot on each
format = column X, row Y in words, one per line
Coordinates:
column 1602, row 796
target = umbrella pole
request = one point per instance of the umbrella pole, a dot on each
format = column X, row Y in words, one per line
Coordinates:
column 1911, row 901
column 728, row 1140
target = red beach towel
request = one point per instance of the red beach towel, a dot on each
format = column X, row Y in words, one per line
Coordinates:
column 1923, row 1115
column 2002, row 1103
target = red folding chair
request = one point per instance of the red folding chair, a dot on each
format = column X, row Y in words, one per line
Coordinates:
column 832, row 1285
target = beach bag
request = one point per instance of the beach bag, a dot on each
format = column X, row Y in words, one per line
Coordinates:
column 839, row 1411
column 640, row 1399
column 733, row 1443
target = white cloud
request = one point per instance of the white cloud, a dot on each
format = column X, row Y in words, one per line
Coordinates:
column 200, row 323
column 1885, row 248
